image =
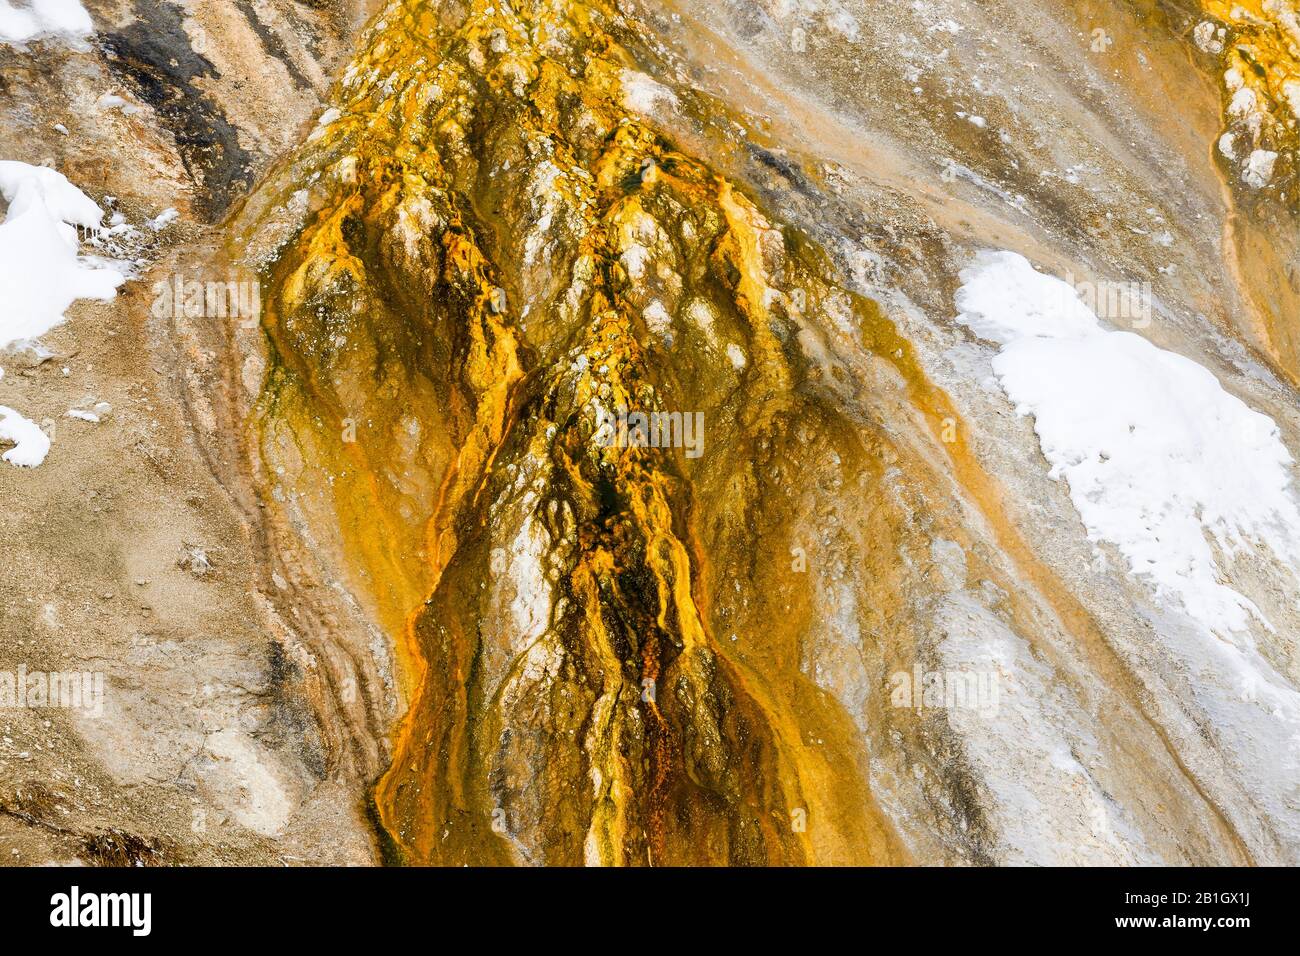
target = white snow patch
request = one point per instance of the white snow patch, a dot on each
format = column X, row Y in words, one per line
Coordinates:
column 40, row 271
column 41, row 274
column 1159, row 459
column 31, row 445
column 66, row 19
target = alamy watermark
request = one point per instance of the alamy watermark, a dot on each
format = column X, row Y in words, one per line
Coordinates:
column 74, row 908
column 69, row 690
column 231, row 298
column 1119, row 303
column 922, row 690
column 632, row 429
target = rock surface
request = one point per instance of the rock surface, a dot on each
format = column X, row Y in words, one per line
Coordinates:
column 835, row 608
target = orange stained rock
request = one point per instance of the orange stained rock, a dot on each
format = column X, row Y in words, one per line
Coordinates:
column 572, row 692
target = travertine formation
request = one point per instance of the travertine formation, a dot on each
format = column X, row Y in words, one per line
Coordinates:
column 505, row 236
column 608, row 478
column 501, row 247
